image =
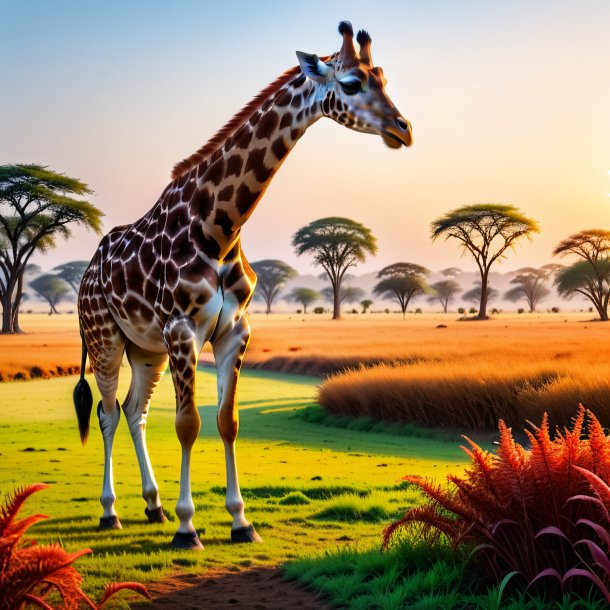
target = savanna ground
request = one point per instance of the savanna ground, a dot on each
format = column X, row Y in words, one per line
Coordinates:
column 308, row 488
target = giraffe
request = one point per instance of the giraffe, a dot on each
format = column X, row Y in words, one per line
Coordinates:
column 159, row 289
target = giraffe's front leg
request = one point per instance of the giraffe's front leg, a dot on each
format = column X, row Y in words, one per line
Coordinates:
column 180, row 338
column 229, row 349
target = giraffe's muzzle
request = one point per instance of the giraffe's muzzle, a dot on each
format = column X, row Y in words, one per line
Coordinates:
column 397, row 133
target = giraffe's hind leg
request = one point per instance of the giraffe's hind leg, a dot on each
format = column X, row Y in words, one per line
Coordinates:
column 146, row 371
column 106, row 364
column 105, row 345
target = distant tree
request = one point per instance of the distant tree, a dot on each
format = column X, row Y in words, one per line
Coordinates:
column 336, row 245
column 593, row 247
column 36, row 208
column 271, row 275
column 486, row 231
column 529, row 285
column 72, row 273
column 347, row 294
column 443, row 292
column 474, row 294
column 365, row 304
column 592, row 282
column 403, row 281
column 451, row 272
column 304, row 296
column 52, row 288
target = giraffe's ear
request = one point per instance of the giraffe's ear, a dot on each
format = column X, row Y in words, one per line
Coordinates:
column 314, row 68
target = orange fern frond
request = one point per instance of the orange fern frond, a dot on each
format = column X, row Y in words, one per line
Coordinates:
column 14, row 502
column 113, row 588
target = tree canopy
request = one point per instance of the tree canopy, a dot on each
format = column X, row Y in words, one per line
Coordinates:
column 347, row 294
column 485, row 231
column 37, row 206
column 271, row 275
column 336, row 244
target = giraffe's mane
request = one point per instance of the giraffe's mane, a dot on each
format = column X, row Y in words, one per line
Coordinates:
column 233, row 125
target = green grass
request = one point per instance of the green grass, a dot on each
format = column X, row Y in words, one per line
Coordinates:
column 278, row 455
column 418, row 578
column 315, row 414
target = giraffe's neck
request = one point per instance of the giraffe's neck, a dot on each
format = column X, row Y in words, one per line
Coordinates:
column 223, row 190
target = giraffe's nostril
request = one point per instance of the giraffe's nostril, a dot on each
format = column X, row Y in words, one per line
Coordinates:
column 402, row 123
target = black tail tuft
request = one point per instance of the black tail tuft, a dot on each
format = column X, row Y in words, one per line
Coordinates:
column 83, row 402
column 83, row 399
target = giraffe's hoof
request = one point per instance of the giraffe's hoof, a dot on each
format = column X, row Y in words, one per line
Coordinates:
column 110, row 523
column 188, row 541
column 156, row 515
column 245, row 534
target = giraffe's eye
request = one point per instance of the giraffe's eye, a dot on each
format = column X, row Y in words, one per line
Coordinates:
column 350, row 85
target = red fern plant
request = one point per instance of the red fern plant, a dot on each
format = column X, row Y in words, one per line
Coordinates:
column 29, row 572
column 505, row 500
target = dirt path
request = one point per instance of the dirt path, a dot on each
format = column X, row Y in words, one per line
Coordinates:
column 254, row 589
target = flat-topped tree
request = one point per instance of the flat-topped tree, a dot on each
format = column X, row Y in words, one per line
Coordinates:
column 304, row 296
column 529, row 285
column 271, row 277
column 72, row 273
column 443, row 292
column 402, row 281
column 486, row 231
column 37, row 206
column 336, row 245
column 51, row 288
column 589, row 281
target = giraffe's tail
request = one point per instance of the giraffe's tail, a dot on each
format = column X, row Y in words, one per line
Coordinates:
column 83, row 399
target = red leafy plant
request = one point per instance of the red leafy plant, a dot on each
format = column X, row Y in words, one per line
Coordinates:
column 542, row 512
column 29, row 573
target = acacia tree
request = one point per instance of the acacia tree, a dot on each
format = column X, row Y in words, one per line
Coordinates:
column 72, row 273
column 304, row 296
column 593, row 246
column 336, row 245
column 443, row 292
column 365, row 304
column 591, row 282
column 486, row 231
column 529, row 285
column 51, row 288
column 402, row 281
column 36, row 208
column 271, row 275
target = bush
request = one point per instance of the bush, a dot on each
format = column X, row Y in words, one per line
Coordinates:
column 318, row 309
column 461, row 311
column 28, row 573
column 294, row 498
column 472, row 310
column 541, row 513
column 555, row 309
column 520, row 310
column 418, row 310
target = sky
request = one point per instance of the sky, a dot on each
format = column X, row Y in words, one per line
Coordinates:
column 509, row 102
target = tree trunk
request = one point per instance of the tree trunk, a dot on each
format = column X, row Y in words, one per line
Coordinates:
column 16, row 305
column 336, row 302
column 483, row 305
column 7, row 315
column 304, row 308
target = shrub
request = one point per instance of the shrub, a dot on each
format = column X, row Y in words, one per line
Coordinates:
column 555, row 309
column 461, row 311
column 294, row 498
column 472, row 310
column 29, row 573
column 520, row 310
column 519, row 506
column 318, row 309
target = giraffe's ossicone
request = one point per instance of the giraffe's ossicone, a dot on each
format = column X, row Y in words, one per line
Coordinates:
column 157, row 290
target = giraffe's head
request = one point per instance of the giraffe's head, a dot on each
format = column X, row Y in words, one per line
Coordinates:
column 352, row 91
